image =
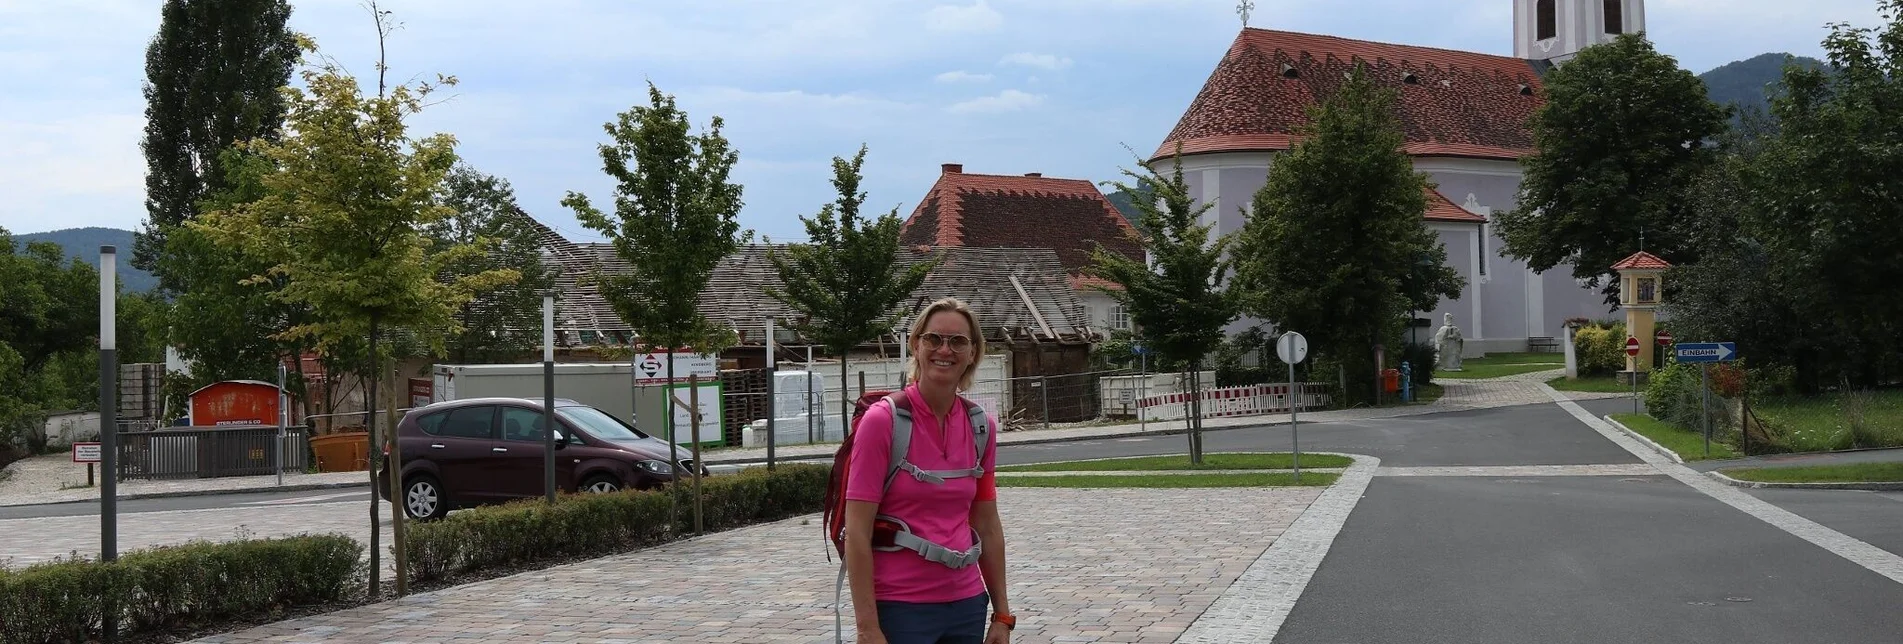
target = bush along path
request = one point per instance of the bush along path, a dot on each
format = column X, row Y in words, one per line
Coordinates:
column 178, row 592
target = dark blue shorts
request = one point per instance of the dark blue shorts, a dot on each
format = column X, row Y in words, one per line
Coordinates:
column 959, row 622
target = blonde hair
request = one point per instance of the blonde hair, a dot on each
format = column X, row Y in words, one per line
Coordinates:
column 977, row 339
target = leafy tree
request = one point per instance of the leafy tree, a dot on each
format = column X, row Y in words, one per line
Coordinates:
column 1337, row 247
column 1826, row 209
column 52, row 303
column 1622, row 134
column 846, row 280
column 1180, row 305
column 213, row 74
column 504, row 323
column 673, row 221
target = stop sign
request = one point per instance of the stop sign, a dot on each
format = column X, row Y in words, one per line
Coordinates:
column 1631, row 346
column 1663, row 337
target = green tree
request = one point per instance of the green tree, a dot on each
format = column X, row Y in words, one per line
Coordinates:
column 504, row 323
column 1180, row 306
column 52, row 303
column 673, row 221
column 847, row 280
column 1826, row 209
column 213, row 75
column 1623, row 133
column 1337, row 247
column 345, row 202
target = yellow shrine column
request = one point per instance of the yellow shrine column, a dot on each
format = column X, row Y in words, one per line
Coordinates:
column 1641, row 286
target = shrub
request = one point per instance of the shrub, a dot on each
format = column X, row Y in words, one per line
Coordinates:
column 194, row 583
column 532, row 530
column 1675, row 394
column 1420, row 359
column 1600, row 349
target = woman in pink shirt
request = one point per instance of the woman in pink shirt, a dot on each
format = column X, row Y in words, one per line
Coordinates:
column 900, row 595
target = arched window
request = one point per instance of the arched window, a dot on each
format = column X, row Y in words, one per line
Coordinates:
column 1548, row 19
column 1615, row 16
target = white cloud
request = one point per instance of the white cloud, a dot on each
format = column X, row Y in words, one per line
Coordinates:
column 1042, row 61
column 1009, row 100
column 975, row 18
column 962, row 76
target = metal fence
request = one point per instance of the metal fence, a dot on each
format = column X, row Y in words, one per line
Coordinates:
column 207, row 452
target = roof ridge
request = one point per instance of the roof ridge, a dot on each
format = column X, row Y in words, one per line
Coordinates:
column 1384, row 43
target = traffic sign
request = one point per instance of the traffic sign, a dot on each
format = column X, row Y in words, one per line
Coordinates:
column 1663, row 337
column 1631, row 346
column 86, row 453
column 1703, row 352
column 1292, row 348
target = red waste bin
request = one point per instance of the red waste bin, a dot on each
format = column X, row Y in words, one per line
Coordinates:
column 1391, row 380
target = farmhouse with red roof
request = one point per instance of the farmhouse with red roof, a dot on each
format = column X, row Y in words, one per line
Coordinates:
column 1028, row 211
column 1465, row 116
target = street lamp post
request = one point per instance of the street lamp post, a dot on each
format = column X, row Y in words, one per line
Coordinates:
column 548, row 394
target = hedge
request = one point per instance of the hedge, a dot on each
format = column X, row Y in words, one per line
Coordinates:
column 167, row 587
column 531, row 531
column 1600, row 349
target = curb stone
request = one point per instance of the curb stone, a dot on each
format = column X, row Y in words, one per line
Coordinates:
column 1874, row 486
column 302, row 487
column 1647, row 441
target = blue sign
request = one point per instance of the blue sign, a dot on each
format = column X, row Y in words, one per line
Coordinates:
column 1697, row 352
column 1139, row 349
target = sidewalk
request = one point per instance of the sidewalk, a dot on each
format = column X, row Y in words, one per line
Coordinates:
column 55, row 478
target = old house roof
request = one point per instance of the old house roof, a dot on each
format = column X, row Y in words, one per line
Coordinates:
column 1029, row 211
column 1452, row 103
column 736, row 295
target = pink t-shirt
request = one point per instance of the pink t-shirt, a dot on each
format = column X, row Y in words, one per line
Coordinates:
column 939, row 513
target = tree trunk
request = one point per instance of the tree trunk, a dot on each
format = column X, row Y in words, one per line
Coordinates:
column 845, row 397
column 1196, row 411
column 370, row 425
column 673, row 447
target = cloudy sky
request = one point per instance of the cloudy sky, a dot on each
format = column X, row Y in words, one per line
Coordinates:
column 1002, row 86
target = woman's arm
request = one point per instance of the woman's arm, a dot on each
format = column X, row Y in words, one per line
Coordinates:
column 984, row 519
column 865, row 608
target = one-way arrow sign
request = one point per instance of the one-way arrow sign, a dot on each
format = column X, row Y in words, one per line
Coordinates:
column 1697, row 352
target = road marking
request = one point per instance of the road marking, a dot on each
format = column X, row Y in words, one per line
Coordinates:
column 1630, row 469
column 1254, row 607
column 1877, row 560
column 308, row 499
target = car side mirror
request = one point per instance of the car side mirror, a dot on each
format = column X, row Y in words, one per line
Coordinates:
column 562, row 439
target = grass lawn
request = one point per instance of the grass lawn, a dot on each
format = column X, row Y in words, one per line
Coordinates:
column 1689, row 445
column 1594, row 384
column 1504, row 364
column 1260, row 461
column 1171, row 480
column 1850, row 473
column 1821, row 424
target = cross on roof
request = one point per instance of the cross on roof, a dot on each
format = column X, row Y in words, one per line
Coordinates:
column 1243, row 8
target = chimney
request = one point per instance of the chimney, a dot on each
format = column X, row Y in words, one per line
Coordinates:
column 953, row 168
column 1034, row 175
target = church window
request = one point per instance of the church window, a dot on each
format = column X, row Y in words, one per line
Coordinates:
column 1485, row 233
column 1548, row 18
column 1615, row 16
column 1648, row 290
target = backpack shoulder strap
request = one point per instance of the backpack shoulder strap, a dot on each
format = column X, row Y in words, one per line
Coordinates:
column 980, row 432
column 901, row 434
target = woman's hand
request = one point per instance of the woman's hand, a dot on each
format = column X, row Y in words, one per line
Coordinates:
column 997, row 634
column 872, row 635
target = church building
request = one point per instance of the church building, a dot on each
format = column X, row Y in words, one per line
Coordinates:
column 1466, row 118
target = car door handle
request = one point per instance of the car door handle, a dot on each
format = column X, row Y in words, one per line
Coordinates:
column 436, row 446
column 498, row 449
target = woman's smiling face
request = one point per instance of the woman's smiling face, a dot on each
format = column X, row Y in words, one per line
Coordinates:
column 944, row 349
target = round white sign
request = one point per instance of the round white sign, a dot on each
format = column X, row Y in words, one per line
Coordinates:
column 1291, row 347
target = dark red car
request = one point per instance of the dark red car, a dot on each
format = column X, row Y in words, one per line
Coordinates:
column 465, row 453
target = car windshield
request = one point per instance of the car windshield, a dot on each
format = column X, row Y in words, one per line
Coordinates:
column 599, row 423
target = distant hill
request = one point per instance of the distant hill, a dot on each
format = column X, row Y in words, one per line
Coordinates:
column 1745, row 83
column 85, row 242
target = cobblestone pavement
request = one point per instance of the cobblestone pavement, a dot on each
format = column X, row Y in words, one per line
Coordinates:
column 30, row 541
column 1086, row 565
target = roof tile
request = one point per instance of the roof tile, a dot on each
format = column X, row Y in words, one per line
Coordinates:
column 1004, row 211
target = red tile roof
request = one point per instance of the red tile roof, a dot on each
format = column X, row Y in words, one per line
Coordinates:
column 1642, row 260
column 1439, row 208
column 1460, row 103
column 1006, row 211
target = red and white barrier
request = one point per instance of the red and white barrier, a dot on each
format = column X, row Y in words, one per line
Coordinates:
column 1252, row 400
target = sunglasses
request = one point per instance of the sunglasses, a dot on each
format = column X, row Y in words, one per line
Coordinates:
column 958, row 343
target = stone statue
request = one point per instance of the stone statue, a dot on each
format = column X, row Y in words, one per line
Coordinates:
column 1448, row 344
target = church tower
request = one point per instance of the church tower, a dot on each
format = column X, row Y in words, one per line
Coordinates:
column 1555, row 30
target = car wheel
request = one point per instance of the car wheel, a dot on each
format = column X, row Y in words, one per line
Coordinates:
column 423, row 499
column 601, row 484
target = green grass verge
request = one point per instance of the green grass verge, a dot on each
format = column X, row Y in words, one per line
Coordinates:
column 1471, row 371
column 1849, row 473
column 1821, row 423
column 1688, row 444
column 1260, row 461
column 1309, row 479
column 1594, row 384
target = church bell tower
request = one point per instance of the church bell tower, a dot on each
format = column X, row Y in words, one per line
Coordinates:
column 1555, row 30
